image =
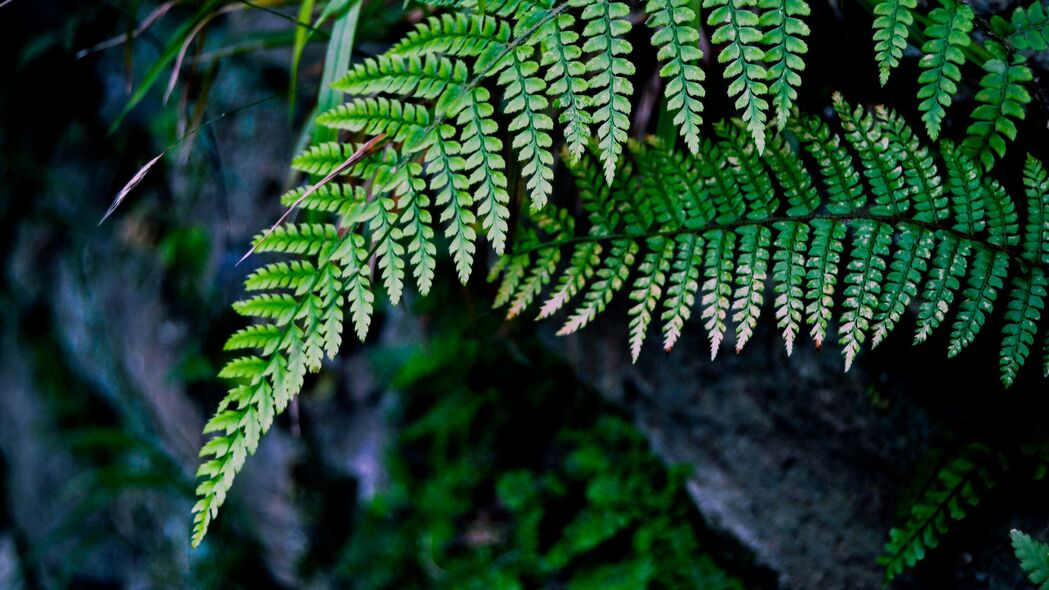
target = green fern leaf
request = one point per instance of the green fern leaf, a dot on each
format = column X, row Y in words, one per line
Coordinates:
column 682, row 188
column 456, row 34
column 530, row 125
column 386, row 240
column 324, row 159
column 717, row 288
column 482, row 148
column 863, row 284
column 751, row 272
column 920, row 172
column 783, row 36
column 1024, row 311
column 880, row 163
column 610, row 279
column 719, row 179
column 584, row 261
column 401, row 122
column 281, row 308
column 427, row 78
column 840, row 178
column 1036, row 234
column 684, row 284
column 448, row 181
column 648, row 290
column 893, row 18
column 346, row 201
column 294, row 275
column 357, row 280
column 566, row 83
column 754, row 181
column 948, row 497
column 948, row 35
column 966, row 191
column 946, row 271
column 1003, row 224
column 1033, row 556
column 417, row 227
column 737, row 27
column 560, row 227
column 987, row 274
column 793, row 178
column 789, row 276
column 265, row 337
column 909, row 263
column 716, row 214
column 1029, row 29
column 679, row 51
column 822, row 275
column 512, row 270
column 1003, row 96
column 606, row 27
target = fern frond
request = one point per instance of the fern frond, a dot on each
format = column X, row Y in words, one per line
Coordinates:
column 679, row 51
column 784, row 32
column 987, row 274
column 937, row 234
column 357, row 280
column 891, row 23
column 456, row 34
column 560, row 226
column 713, row 167
column 323, row 159
column 822, row 275
column 920, row 172
column 294, row 275
column 648, row 290
column 793, row 177
column 1034, row 557
column 737, row 27
column 956, row 488
column 385, row 213
column 1028, row 29
column 840, row 178
column 966, row 190
column 530, row 124
column 402, row 122
column 417, row 227
column 684, row 284
column 789, row 275
column 754, row 182
column 606, row 27
column 909, row 263
column 680, row 181
column 427, row 77
column 945, row 274
column 717, row 288
column 345, row 201
column 609, row 279
column 1022, row 315
column 481, row 149
column 1003, row 96
column 565, row 80
column 863, row 284
column 880, row 163
column 947, row 36
column 1036, row 234
column 751, row 272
